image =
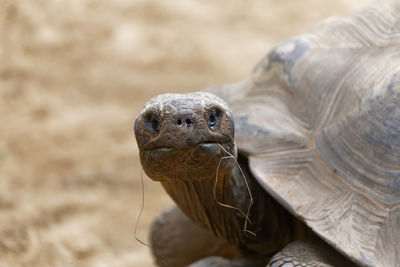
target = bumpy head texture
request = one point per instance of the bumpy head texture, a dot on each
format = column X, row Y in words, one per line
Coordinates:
column 180, row 135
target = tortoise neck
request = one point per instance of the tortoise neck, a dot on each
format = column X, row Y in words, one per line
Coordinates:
column 201, row 201
column 272, row 225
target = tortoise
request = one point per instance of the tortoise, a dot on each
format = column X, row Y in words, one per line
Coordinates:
column 301, row 169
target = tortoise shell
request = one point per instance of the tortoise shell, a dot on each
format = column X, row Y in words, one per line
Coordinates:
column 319, row 120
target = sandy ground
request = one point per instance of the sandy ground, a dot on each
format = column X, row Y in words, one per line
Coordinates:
column 73, row 76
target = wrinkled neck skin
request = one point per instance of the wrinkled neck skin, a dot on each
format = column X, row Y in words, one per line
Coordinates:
column 272, row 225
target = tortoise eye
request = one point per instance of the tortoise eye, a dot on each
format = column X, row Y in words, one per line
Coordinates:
column 152, row 122
column 214, row 118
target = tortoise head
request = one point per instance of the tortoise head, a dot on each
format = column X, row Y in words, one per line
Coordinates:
column 184, row 136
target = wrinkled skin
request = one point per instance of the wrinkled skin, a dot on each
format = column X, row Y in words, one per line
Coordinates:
column 186, row 142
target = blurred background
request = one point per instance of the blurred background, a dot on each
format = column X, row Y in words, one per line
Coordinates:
column 73, row 76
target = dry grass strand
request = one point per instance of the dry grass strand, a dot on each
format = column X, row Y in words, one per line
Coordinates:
column 246, row 215
column 140, row 213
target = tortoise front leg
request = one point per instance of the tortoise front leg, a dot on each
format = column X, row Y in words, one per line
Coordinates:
column 176, row 241
column 309, row 252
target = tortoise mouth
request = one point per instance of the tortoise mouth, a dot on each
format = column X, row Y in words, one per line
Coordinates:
column 203, row 144
column 210, row 145
column 161, row 149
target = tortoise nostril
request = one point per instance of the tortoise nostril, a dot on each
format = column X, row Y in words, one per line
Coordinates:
column 186, row 122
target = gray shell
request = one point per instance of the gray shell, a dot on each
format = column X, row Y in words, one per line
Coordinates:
column 319, row 120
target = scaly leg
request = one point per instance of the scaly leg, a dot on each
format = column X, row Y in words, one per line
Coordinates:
column 309, row 252
column 176, row 241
